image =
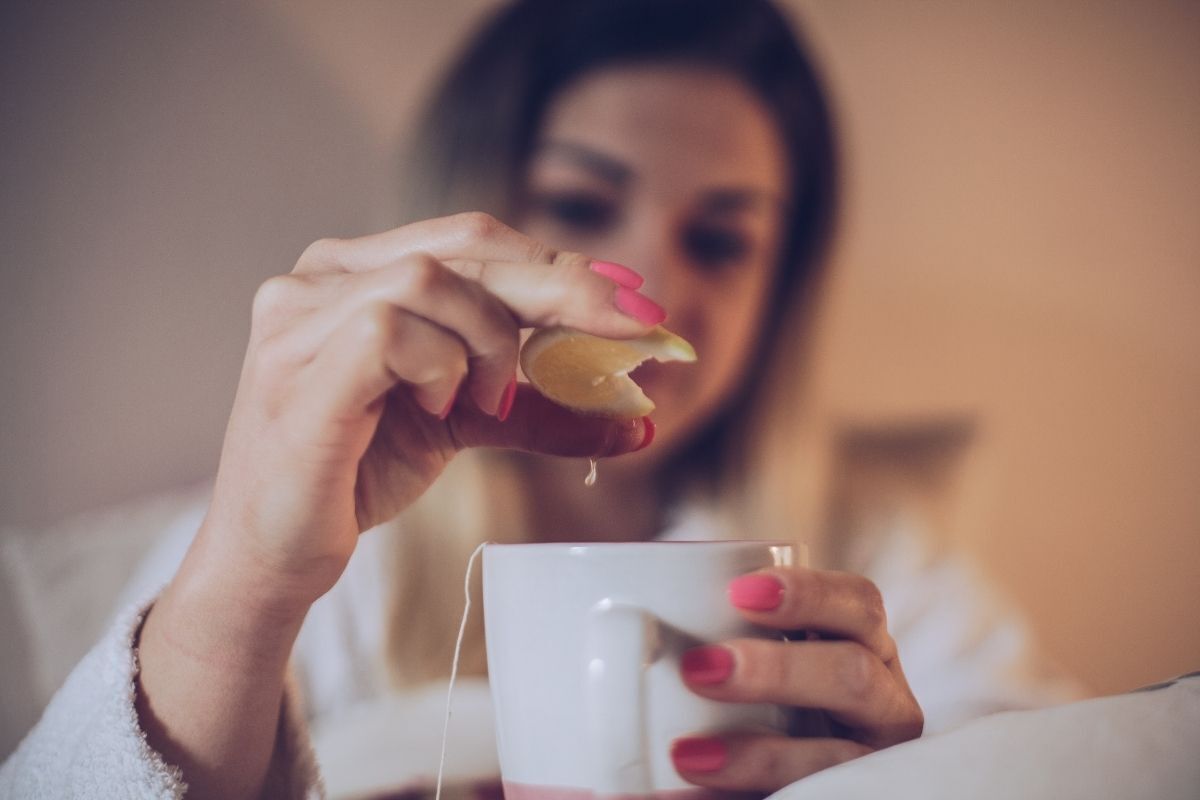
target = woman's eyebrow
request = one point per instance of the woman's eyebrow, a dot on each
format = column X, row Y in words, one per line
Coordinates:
column 602, row 165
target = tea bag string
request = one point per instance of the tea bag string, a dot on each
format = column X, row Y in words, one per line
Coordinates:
column 462, row 629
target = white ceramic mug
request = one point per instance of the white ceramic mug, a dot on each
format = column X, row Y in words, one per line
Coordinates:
column 583, row 646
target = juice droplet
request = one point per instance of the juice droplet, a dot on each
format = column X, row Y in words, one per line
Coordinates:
column 590, row 480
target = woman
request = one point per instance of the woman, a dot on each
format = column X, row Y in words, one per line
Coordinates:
column 656, row 161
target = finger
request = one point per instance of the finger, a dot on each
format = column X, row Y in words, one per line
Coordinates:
column 485, row 302
column 536, row 295
column 843, row 678
column 422, row 286
column 372, row 352
column 282, row 299
column 546, row 295
column 838, row 603
column 472, row 241
column 758, row 763
column 473, row 235
column 539, row 426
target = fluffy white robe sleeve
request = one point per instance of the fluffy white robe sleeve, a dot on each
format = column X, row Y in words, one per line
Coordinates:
column 59, row 585
column 88, row 743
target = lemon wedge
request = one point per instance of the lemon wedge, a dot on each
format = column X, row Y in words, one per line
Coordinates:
column 590, row 374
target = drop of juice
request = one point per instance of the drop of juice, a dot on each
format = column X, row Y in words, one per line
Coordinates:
column 590, row 480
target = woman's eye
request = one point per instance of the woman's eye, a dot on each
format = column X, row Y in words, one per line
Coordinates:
column 578, row 211
column 715, row 248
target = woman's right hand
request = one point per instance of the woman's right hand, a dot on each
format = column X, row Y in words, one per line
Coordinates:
column 346, row 410
column 340, row 422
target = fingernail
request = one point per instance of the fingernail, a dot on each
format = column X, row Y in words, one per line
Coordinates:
column 756, row 592
column 449, row 404
column 622, row 275
column 641, row 308
column 707, row 665
column 699, row 754
column 647, row 435
column 506, row 401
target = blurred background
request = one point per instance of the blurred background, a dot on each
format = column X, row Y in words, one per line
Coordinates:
column 1009, row 346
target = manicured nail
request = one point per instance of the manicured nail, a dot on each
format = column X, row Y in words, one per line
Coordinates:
column 756, row 592
column 647, row 435
column 622, row 275
column 699, row 754
column 450, row 403
column 506, row 401
column 643, row 309
column 707, row 665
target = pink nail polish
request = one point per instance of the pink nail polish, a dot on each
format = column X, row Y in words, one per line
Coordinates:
column 641, row 308
column 648, row 435
column 699, row 754
column 506, row 401
column 622, row 275
column 756, row 592
column 707, row 665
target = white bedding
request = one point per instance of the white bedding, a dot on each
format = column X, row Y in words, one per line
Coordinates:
column 1135, row 746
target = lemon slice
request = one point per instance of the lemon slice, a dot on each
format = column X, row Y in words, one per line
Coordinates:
column 590, row 374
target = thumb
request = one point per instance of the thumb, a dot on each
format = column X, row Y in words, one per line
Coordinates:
column 538, row 425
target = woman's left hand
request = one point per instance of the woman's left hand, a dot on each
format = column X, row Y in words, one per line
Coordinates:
column 852, row 673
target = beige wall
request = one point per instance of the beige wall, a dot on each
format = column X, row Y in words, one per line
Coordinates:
column 1022, row 246
column 1020, row 250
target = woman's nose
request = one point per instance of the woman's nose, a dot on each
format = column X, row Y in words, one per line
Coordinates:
column 649, row 249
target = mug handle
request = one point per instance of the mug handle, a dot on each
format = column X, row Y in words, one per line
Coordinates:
column 621, row 643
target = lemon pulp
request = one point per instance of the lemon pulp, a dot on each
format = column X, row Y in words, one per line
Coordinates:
column 590, row 374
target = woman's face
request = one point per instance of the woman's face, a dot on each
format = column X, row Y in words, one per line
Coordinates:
column 679, row 173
